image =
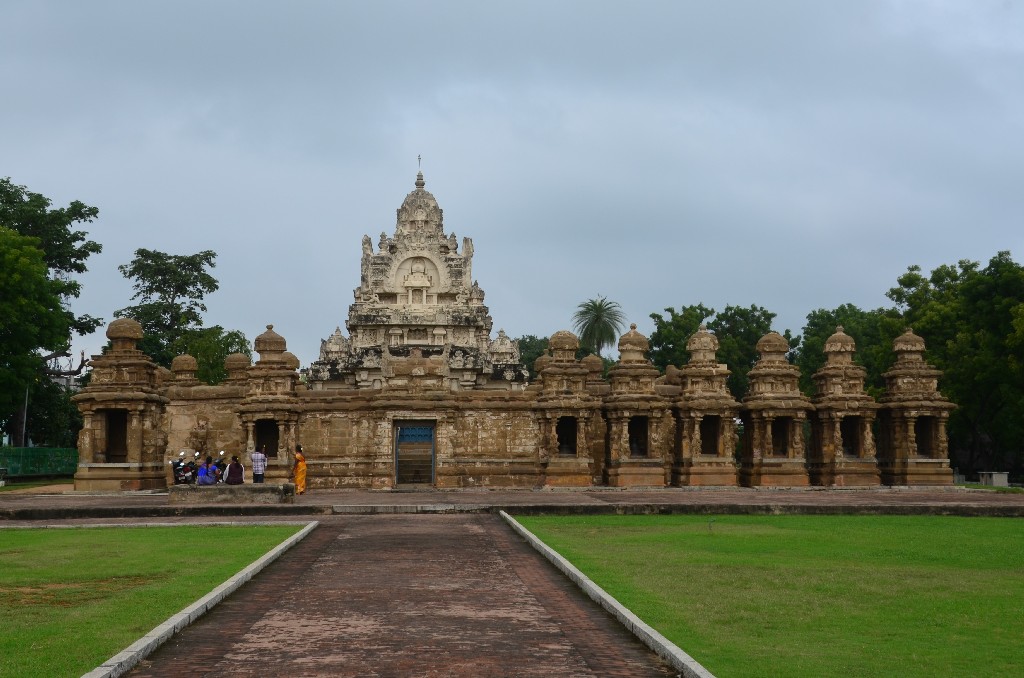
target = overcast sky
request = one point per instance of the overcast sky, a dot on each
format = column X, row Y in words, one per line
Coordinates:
column 793, row 155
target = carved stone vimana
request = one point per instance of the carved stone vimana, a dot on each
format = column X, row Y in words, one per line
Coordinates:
column 417, row 299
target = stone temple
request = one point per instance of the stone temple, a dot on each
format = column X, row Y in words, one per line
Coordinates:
column 421, row 393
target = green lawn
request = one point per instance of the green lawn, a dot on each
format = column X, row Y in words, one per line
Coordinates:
column 25, row 484
column 814, row 595
column 71, row 599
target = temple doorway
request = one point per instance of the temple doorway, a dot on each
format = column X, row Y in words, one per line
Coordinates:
column 414, row 453
column 117, row 436
column 267, row 434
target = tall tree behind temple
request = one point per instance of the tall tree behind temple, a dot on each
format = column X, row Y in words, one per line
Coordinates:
column 972, row 320
column 599, row 323
column 170, row 289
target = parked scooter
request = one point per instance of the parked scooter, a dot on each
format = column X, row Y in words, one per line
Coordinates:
column 222, row 467
column 184, row 469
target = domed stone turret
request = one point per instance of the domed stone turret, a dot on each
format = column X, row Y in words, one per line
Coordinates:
column 703, row 346
column 184, row 368
column 773, row 347
column 270, row 345
column 840, row 347
column 291, row 361
column 420, row 211
column 541, row 362
column 124, row 333
column 594, row 365
column 908, row 347
column 563, row 345
column 236, row 364
column 633, row 346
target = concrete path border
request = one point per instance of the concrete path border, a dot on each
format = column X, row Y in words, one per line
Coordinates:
column 666, row 649
column 128, row 658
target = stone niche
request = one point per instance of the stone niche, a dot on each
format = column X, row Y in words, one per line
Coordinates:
column 774, row 412
column 912, row 445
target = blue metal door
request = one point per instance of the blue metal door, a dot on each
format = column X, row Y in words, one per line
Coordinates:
column 414, row 453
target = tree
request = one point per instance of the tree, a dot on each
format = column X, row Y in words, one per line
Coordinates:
column 971, row 320
column 65, row 250
column 32, row 319
column 668, row 340
column 171, row 289
column 531, row 347
column 210, row 346
column 599, row 323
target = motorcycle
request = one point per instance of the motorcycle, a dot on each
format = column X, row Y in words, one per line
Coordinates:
column 184, row 470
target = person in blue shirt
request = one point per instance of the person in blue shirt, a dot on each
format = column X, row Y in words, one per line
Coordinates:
column 207, row 473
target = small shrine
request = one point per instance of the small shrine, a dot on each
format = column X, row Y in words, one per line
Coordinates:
column 912, row 444
column 842, row 449
column 774, row 412
column 706, row 416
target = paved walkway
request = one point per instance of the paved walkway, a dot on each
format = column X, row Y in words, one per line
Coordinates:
column 425, row 595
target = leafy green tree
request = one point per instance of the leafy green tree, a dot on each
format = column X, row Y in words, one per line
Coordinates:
column 53, row 419
column 972, row 320
column 210, row 346
column 64, row 249
column 668, row 340
column 872, row 330
column 170, row 289
column 531, row 347
column 32, row 319
column 598, row 323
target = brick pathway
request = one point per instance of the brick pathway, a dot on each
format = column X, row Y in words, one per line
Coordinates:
column 426, row 595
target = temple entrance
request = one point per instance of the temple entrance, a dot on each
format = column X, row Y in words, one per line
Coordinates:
column 267, row 434
column 414, row 453
column 117, row 436
column 710, row 430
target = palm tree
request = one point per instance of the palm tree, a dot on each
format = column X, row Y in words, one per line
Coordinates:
column 599, row 322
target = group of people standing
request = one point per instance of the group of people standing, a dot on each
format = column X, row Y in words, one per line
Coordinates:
column 210, row 473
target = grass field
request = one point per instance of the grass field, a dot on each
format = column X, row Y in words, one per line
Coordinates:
column 70, row 599
column 814, row 595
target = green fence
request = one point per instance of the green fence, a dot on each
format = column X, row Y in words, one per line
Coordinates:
column 38, row 461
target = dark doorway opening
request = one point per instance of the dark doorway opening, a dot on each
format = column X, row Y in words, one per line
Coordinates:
column 924, row 433
column 849, row 429
column 117, row 436
column 566, row 429
column 638, row 436
column 780, row 436
column 710, row 431
column 267, row 434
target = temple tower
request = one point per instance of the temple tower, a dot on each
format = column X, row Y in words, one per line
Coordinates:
column 912, row 445
column 705, row 418
column 565, row 411
column 416, row 293
column 122, row 441
column 774, row 412
column 842, row 449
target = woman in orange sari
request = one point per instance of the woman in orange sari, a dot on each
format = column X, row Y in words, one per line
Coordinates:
column 299, row 471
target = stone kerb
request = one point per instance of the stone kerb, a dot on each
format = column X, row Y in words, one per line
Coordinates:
column 264, row 493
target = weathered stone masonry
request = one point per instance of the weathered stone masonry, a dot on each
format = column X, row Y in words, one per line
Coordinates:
column 420, row 393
